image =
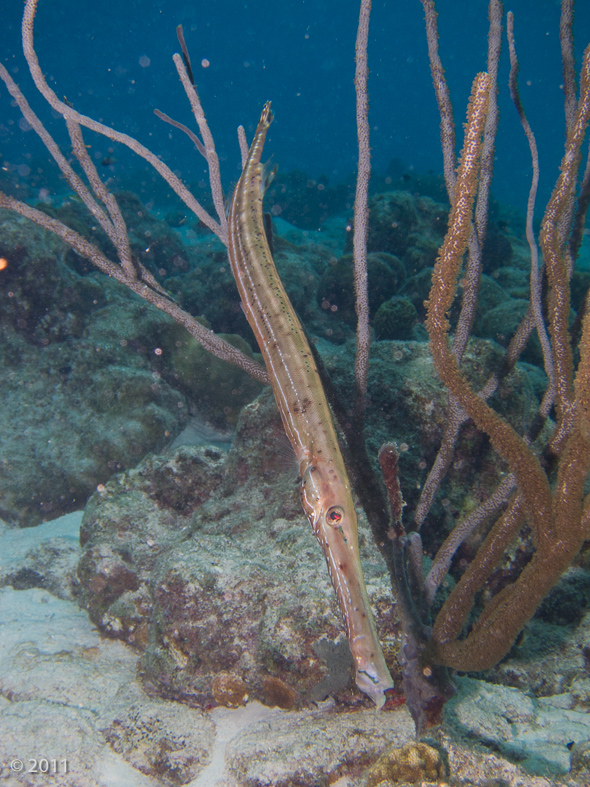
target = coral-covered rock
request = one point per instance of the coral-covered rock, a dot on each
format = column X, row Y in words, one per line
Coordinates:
column 407, row 404
column 234, row 585
column 319, row 748
column 127, row 526
column 410, row 227
column 229, row 690
column 411, row 763
column 336, row 287
column 45, row 556
column 92, row 377
column 395, row 319
column 82, row 395
column 206, row 563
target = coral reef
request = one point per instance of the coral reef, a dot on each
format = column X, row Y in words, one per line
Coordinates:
column 117, row 378
column 411, row 763
column 207, row 588
column 395, row 319
column 123, row 378
column 193, row 557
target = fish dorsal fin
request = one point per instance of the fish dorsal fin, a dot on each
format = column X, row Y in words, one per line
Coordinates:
column 268, row 175
column 267, row 219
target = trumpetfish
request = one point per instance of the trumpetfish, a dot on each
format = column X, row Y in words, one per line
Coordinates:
column 325, row 489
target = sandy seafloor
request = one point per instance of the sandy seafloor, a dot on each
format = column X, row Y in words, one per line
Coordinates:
column 69, row 694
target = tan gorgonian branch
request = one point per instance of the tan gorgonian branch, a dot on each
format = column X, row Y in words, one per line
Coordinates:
column 361, row 210
column 68, row 113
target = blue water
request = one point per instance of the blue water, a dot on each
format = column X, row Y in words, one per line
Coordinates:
column 113, row 61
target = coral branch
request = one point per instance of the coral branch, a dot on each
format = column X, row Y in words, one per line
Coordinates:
column 505, row 440
column 68, row 113
column 361, row 210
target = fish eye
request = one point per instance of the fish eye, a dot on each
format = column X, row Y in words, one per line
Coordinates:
column 334, row 516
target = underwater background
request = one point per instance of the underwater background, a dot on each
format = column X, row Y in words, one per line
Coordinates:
column 113, row 60
column 166, row 617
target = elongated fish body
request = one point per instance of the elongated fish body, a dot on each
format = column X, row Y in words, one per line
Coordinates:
column 325, row 489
